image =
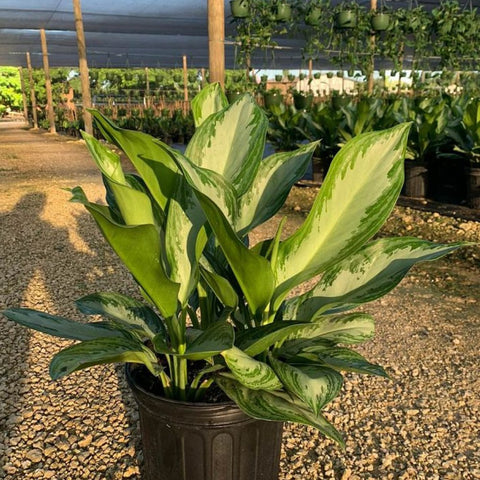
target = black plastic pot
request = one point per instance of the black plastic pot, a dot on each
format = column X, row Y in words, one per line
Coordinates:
column 473, row 187
column 416, row 179
column 239, row 8
column 234, row 95
column 272, row 99
column 447, row 179
column 320, row 168
column 201, row 441
column 302, row 101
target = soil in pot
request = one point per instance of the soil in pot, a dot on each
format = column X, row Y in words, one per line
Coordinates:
column 202, row 441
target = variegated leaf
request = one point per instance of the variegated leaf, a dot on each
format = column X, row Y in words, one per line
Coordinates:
column 249, row 372
column 150, row 157
column 60, row 326
column 364, row 276
column 231, row 143
column 210, row 100
column 221, row 287
column 351, row 328
column 139, row 249
column 101, row 351
column 275, row 177
column 315, row 385
column 123, row 309
column 357, row 196
column 276, row 407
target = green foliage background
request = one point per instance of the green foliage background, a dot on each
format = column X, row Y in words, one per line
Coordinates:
column 10, row 90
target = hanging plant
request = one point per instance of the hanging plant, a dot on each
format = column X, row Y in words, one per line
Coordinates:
column 379, row 21
column 239, row 8
column 283, row 11
column 291, row 77
column 314, row 15
column 278, row 78
column 317, row 75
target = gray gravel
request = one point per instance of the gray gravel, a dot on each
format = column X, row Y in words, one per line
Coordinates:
column 421, row 424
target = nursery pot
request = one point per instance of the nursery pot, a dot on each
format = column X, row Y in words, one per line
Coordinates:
column 345, row 19
column 415, row 179
column 273, row 99
column 239, row 8
column 473, row 187
column 203, row 441
column 380, row 21
column 302, row 101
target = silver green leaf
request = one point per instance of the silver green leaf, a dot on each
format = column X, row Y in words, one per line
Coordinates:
column 364, row 276
column 123, row 309
column 231, row 143
column 209, row 101
column 349, row 329
column 60, row 326
column 275, row 406
column 275, row 177
column 357, row 196
column 101, row 351
column 221, row 287
column 249, row 372
column 315, row 385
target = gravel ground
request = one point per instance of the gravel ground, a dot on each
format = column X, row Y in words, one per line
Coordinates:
column 421, row 424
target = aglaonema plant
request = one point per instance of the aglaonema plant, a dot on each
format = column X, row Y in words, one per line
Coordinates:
column 218, row 307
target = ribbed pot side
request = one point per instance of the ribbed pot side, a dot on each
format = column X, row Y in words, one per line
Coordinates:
column 201, row 441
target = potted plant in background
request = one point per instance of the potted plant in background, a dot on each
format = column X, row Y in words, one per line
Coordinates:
column 273, row 97
column 239, row 8
column 216, row 311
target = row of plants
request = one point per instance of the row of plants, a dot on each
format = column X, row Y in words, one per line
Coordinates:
column 10, row 90
column 443, row 140
column 445, row 37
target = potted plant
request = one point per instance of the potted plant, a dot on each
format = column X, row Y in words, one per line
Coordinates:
column 216, row 311
column 291, row 77
column 346, row 15
column 278, row 77
column 302, row 100
column 283, row 11
column 239, row 8
column 379, row 21
column 273, row 97
column 313, row 15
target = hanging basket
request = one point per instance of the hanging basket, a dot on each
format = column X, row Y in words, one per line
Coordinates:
column 291, row 77
column 278, row 78
column 345, row 19
column 380, row 22
column 283, row 12
column 313, row 17
column 239, row 8
column 273, row 99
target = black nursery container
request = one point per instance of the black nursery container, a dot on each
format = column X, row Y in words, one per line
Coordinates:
column 203, row 441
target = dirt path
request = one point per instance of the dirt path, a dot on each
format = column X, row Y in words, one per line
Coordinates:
column 424, row 424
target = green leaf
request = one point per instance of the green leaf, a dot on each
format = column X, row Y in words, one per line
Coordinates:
column 315, row 385
column 254, row 341
column 252, row 271
column 101, row 351
column 139, row 249
column 221, row 287
column 364, row 276
column 212, row 341
column 351, row 328
column 60, row 326
column 231, row 143
column 149, row 156
column 275, row 177
column 275, row 407
column 107, row 161
column 210, row 100
column 357, row 196
column 250, row 372
column 123, row 309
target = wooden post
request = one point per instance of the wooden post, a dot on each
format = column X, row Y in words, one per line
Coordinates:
column 48, row 82
column 370, row 79
column 185, row 79
column 32, row 91
column 24, row 94
column 216, row 40
column 147, row 88
column 83, row 66
column 203, row 78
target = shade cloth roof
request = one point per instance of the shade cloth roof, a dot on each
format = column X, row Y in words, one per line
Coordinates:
column 130, row 33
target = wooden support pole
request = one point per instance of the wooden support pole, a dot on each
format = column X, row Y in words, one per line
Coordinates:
column 185, row 79
column 48, row 82
column 370, row 79
column 204, row 82
column 24, row 94
column 83, row 66
column 216, row 40
column 32, row 91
